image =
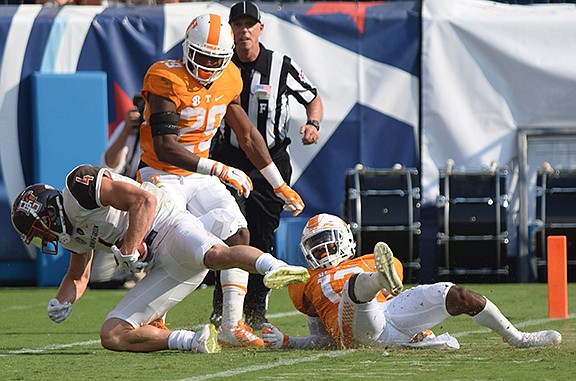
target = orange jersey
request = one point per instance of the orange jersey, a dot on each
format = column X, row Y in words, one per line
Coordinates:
column 201, row 109
column 324, row 290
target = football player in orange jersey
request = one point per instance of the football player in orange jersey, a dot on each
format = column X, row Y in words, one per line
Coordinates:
column 186, row 100
column 358, row 302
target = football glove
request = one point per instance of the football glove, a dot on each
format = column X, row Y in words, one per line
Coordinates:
column 233, row 177
column 128, row 264
column 273, row 338
column 292, row 200
column 58, row 312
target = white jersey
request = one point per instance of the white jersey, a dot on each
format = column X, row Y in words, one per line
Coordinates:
column 178, row 248
column 99, row 227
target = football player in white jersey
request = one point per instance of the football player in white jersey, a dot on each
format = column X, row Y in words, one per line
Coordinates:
column 359, row 302
column 144, row 230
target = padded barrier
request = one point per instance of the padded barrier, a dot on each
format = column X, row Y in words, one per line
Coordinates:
column 287, row 240
column 70, row 114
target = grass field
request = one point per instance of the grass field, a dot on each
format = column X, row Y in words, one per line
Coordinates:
column 34, row 348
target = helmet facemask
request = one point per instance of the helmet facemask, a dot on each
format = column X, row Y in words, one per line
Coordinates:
column 38, row 215
column 207, row 37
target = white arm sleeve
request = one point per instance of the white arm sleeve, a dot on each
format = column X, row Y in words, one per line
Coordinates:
column 318, row 339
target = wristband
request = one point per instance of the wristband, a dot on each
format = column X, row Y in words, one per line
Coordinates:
column 285, row 341
column 204, row 166
column 315, row 123
column 272, row 175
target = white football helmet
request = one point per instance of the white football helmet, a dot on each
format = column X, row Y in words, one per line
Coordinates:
column 210, row 35
column 327, row 241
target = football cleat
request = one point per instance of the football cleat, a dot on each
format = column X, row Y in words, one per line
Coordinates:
column 284, row 276
column 385, row 264
column 420, row 336
column 428, row 340
column 540, row 339
column 159, row 323
column 206, row 340
column 239, row 336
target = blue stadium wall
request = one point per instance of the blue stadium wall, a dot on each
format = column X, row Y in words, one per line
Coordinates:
column 410, row 82
column 333, row 43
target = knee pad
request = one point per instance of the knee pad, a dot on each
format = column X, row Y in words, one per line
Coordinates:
column 221, row 223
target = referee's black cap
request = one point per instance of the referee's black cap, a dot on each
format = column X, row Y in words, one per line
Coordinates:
column 244, row 8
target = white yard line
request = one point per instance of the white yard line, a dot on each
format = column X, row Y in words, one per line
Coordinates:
column 253, row 368
column 52, row 347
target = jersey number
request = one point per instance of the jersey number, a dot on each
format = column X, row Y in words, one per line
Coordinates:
column 326, row 282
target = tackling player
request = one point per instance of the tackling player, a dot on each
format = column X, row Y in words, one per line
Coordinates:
column 186, row 101
column 144, row 229
column 358, row 302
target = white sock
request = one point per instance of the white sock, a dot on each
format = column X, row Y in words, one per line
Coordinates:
column 492, row 318
column 234, row 287
column 368, row 285
column 266, row 262
column 181, row 340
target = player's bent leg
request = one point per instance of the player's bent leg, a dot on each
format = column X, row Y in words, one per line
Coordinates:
column 360, row 323
column 277, row 273
column 414, row 311
column 491, row 316
column 460, row 300
column 119, row 335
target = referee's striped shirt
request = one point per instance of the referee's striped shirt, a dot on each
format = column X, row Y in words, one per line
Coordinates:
column 268, row 82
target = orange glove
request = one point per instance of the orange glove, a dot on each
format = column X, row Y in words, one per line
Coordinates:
column 233, row 177
column 292, row 200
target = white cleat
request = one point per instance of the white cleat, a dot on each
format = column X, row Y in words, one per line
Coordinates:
column 206, row 340
column 284, row 276
column 428, row 340
column 540, row 339
column 385, row 264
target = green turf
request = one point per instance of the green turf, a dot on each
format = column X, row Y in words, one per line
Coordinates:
column 34, row 348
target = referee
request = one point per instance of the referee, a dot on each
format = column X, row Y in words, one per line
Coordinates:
column 269, row 78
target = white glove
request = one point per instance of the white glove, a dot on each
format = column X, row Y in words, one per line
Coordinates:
column 57, row 311
column 128, row 264
column 273, row 338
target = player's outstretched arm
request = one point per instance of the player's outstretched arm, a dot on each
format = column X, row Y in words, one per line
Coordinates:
column 318, row 338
